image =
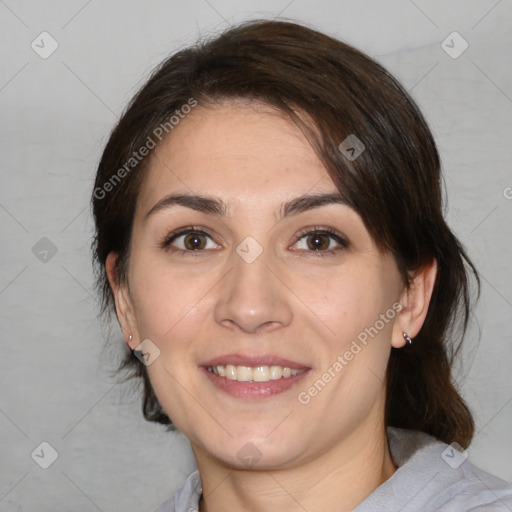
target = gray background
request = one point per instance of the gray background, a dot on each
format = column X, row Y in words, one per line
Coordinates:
column 56, row 382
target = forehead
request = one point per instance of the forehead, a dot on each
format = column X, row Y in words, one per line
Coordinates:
column 236, row 150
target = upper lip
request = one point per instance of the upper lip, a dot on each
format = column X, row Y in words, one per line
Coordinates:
column 253, row 360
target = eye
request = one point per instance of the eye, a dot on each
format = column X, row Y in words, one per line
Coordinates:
column 321, row 240
column 188, row 239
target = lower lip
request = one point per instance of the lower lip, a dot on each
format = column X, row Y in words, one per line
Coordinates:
column 254, row 390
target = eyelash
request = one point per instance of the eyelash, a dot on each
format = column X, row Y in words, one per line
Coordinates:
column 316, row 230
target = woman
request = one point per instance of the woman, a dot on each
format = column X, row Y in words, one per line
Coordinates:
column 270, row 231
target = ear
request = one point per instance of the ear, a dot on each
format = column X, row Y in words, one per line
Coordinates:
column 123, row 301
column 415, row 301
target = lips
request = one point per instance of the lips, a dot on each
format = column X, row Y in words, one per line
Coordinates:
column 253, row 376
column 254, row 360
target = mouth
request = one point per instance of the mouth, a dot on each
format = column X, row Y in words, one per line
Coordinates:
column 253, row 377
column 262, row 373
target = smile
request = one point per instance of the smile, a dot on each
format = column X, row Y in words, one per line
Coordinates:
column 261, row 373
column 253, row 376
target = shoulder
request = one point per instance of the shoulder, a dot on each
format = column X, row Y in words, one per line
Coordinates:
column 186, row 498
column 471, row 489
column 432, row 475
column 478, row 490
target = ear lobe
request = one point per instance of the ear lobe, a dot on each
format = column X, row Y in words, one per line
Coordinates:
column 123, row 302
column 415, row 301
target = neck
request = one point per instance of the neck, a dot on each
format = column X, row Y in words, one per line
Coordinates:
column 338, row 479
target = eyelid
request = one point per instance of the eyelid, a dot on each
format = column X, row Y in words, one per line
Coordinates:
column 325, row 230
column 167, row 240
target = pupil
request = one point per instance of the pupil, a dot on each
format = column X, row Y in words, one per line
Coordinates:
column 193, row 241
column 317, row 242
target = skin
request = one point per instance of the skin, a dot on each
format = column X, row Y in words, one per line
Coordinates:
column 332, row 452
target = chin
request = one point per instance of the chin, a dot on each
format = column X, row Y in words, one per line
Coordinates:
column 261, row 449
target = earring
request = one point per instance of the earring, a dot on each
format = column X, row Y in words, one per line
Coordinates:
column 407, row 339
column 129, row 342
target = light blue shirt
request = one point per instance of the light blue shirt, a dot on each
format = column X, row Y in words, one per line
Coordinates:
column 431, row 476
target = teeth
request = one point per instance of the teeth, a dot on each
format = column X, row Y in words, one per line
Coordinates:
column 250, row 374
column 260, row 374
column 243, row 373
column 276, row 372
column 230, row 372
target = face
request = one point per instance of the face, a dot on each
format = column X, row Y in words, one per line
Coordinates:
column 237, row 272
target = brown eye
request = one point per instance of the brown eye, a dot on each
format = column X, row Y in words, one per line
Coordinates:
column 189, row 240
column 318, row 242
column 321, row 241
column 194, row 241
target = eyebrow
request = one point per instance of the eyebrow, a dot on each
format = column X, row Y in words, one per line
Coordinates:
column 211, row 205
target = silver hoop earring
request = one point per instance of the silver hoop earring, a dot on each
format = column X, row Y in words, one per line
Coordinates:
column 407, row 339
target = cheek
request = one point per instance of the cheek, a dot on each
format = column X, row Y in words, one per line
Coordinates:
column 356, row 306
column 165, row 298
column 348, row 300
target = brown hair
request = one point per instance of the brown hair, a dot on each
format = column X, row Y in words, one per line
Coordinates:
column 331, row 90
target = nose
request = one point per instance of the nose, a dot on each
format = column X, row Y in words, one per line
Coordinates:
column 252, row 297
